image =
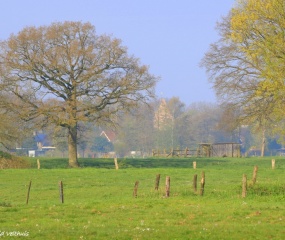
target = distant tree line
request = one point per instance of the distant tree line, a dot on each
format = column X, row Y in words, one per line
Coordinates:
column 163, row 124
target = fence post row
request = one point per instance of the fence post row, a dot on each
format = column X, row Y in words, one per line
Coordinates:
column 167, row 183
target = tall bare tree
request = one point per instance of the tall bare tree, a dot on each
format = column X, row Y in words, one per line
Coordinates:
column 238, row 76
column 65, row 73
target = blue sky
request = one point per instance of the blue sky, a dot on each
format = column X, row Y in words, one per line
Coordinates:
column 171, row 36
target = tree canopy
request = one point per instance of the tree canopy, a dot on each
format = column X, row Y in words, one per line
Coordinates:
column 65, row 73
column 257, row 27
column 246, row 64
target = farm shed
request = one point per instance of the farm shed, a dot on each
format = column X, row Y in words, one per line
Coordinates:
column 219, row 149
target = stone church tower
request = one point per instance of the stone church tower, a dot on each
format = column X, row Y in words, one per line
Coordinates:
column 163, row 117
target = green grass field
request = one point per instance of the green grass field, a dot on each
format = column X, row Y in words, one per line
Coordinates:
column 99, row 202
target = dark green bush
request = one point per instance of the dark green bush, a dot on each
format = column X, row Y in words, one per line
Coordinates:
column 5, row 155
column 9, row 161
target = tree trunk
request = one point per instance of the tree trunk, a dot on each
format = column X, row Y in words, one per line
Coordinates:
column 263, row 142
column 72, row 146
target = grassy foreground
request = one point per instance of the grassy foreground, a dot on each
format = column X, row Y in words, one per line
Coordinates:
column 99, row 202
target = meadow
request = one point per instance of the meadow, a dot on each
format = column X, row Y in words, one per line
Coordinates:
column 99, row 202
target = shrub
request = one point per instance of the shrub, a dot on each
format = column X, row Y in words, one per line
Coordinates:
column 5, row 155
column 9, row 161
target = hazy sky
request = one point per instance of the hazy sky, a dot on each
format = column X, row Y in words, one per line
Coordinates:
column 171, row 36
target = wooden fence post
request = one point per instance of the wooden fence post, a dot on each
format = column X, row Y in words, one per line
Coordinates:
column 273, row 163
column 38, row 163
column 254, row 175
column 28, row 194
column 194, row 165
column 244, row 185
column 198, row 152
column 135, row 192
column 186, row 152
column 116, row 163
column 195, row 183
column 202, row 184
column 61, row 198
column 172, row 152
column 157, row 182
column 167, row 186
